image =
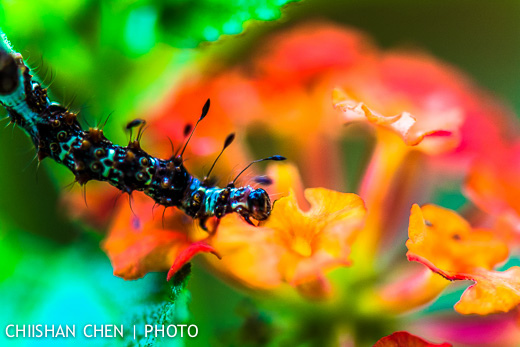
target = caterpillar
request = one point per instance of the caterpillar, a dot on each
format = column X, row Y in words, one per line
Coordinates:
column 89, row 155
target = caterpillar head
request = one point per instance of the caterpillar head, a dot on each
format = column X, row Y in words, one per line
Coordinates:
column 259, row 204
column 251, row 203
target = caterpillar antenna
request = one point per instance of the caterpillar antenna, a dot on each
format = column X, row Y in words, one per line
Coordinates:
column 205, row 110
column 274, row 158
column 229, row 139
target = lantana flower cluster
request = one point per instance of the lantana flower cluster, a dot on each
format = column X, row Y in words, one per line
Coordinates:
column 371, row 135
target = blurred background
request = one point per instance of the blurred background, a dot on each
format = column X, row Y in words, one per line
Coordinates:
column 122, row 58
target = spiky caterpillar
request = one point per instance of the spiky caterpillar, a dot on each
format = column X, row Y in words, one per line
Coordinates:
column 89, row 155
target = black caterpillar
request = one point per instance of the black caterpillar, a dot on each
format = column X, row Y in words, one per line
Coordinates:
column 56, row 133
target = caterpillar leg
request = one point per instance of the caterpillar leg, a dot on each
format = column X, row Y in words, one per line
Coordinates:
column 248, row 220
column 215, row 226
column 202, row 223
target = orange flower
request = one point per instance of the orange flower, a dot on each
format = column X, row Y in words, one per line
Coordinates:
column 138, row 243
column 404, row 338
column 445, row 242
column 412, row 129
column 428, row 103
column 494, row 186
column 292, row 246
column 419, row 109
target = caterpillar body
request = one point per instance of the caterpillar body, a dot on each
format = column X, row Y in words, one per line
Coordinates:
column 89, row 155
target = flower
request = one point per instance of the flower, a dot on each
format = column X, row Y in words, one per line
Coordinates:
column 423, row 125
column 492, row 184
column 228, row 111
column 415, row 287
column 445, row 242
column 404, row 338
column 490, row 330
column 138, row 243
column 429, row 104
column 419, row 110
column 412, row 129
column 292, row 246
column 433, row 106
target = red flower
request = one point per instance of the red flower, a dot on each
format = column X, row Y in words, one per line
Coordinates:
column 404, row 338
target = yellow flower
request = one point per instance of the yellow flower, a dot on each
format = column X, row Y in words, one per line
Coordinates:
column 292, row 246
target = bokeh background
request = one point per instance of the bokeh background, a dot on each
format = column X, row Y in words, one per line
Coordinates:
column 123, row 57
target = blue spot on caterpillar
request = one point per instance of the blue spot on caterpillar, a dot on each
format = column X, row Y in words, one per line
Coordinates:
column 89, row 155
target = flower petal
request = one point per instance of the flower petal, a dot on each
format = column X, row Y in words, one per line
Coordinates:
column 249, row 254
column 444, row 241
column 447, row 241
column 94, row 204
column 492, row 330
column 319, row 238
column 313, row 50
column 404, row 338
column 493, row 185
column 189, row 252
column 137, row 243
column 286, row 177
column 412, row 289
column 493, row 292
column 412, row 129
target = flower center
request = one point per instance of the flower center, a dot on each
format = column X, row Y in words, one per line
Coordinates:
column 301, row 246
